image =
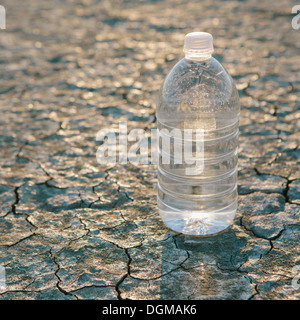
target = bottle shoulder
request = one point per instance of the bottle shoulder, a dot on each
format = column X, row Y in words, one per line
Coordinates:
column 198, row 86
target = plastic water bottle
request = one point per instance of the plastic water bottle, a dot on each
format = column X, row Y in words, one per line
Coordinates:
column 198, row 94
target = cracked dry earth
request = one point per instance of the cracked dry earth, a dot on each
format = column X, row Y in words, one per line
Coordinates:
column 72, row 229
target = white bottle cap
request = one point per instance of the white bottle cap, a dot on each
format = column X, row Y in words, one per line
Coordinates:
column 198, row 45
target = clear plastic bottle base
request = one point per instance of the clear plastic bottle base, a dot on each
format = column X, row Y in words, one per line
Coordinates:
column 197, row 223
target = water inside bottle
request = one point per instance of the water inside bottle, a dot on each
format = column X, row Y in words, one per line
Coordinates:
column 206, row 203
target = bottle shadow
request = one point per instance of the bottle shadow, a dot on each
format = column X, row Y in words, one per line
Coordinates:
column 194, row 267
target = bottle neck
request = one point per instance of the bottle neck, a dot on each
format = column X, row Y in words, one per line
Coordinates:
column 197, row 55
